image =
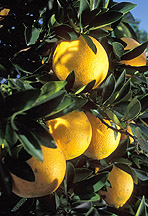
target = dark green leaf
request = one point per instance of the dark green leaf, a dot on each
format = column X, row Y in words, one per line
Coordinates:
column 82, row 174
column 98, row 33
column 52, row 87
column 141, row 139
column 144, row 104
column 76, row 103
column 105, row 19
column 142, row 175
column 90, row 43
column 118, row 49
column 133, row 53
column 70, row 81
column 86, row 88
column 87, row 196
column 120, row 81
column 133, row 109
column 123, row 92
column 84, row 5
column 21, row 101
column 31, row 34
column 92, row 184
column 5, row 179
column 142, row 210
column 108, row 88
column 2, row 130
column 123, row 7
column 113, row 117
column 70, row 174
column 19, row 168
column 45, row 106
column 30, row 142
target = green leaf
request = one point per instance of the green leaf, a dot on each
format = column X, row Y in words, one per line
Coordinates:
column 70, row 81
column 108, row 89
column 5, row 180
column 105, row 19
column 40, row 132
column 142, row 210
column 113, row 117
column 84, row 5
column 118, row 49
column 144, row 104
column 70, row 174
column 76, row 103
column 133, row 53
column 123, row 92
column 30, row 143
column 31, row 35
column 120, row 150
column 123, row 7
column 52, row 87
column 141, row 139
column 20, row 168
column 2, row 130
column 86, row 197
column 91, row 185
column 45, row 106
column 90, row 43
column 86, row 88
column 21, row 101
column 142, row 175
column 132, row 110
column 120, row 81
column 82, row 174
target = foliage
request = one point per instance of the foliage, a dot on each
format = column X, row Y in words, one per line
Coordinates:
column 30, row 93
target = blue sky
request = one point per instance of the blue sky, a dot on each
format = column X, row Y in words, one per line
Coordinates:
column 140, row 12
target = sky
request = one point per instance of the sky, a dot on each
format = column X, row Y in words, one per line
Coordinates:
column 140, row 12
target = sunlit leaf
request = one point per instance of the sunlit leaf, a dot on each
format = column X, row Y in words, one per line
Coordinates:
column 142, row 210
column 123, row 7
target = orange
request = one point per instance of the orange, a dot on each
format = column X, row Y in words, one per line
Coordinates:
column 104, row 140
column 48, row 174
column 4, row 12
column 122, row 186
column 139, row 60
column 77, row 55
column 72, row 132
column 124, row 136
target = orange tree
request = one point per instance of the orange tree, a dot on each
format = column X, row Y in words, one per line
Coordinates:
column 31, row 94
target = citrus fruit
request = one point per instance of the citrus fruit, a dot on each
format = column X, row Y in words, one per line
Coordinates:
column 121, row 189
column 4, row 12
column 104, row 140
column 124, row 136
column 72, row 132
column 48, row 174
column 77, row 56
column 137, row 61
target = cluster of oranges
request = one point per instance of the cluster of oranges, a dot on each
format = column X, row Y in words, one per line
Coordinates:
column 79, row 132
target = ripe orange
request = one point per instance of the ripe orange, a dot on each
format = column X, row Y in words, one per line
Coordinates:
column 48, row 174
column 77, row 55
column 122, row 186
column 123, row 136
column 4, row 12
column 139, row 60
column 72, row 132
column 104, row 140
